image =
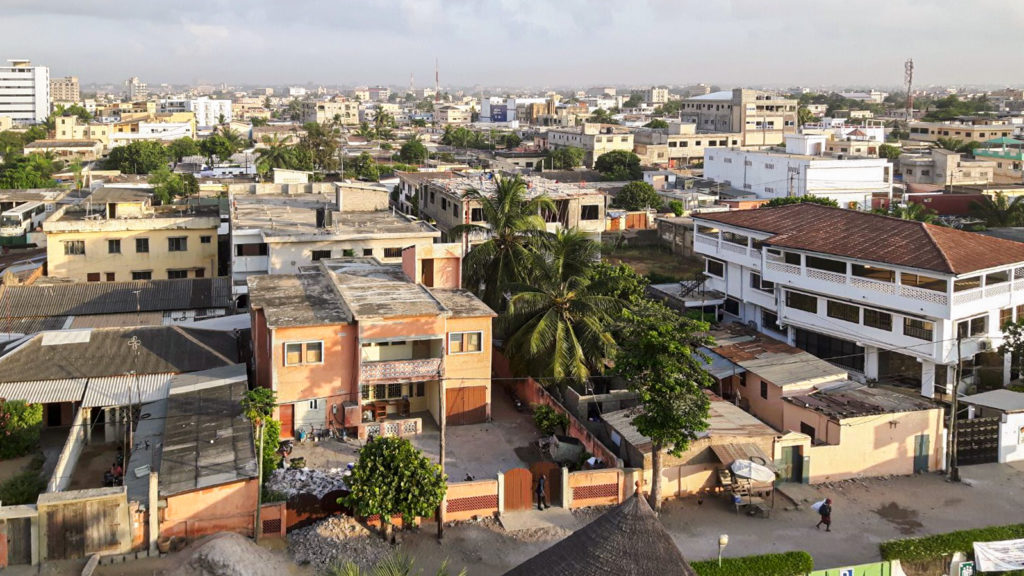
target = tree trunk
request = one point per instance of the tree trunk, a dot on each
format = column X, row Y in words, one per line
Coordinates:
column 656, row 480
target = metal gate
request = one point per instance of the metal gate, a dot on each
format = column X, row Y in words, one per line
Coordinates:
column 977, row 441
column 552, row 474
column 518, row 489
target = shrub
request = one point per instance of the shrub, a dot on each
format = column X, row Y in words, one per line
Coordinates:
column 784, row 564
column 25, row 487
column 271, row 441
column 939, row 545
column 20, row 424
column 549, row 420
column 676, row 207
column 638, row 195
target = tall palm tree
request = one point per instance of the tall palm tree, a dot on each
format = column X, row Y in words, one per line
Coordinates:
column 233, row 138
column 558, row 325
column 999, row 212
column 277, row 154
column 514, row 226
column 914, row 211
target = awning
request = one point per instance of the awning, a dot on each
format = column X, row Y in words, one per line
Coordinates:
column 729, row 453
column 720, row 367
column 44, row 391
column 126, row 390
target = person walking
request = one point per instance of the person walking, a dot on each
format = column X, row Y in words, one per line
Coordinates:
column 825, row 511
column 540, row 494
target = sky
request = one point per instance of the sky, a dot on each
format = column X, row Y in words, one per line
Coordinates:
column 513, row 43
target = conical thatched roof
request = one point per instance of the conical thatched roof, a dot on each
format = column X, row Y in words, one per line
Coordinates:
column 627, row 540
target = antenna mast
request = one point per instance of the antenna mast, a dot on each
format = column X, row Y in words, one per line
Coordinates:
column 908, row 79
column 437, row 82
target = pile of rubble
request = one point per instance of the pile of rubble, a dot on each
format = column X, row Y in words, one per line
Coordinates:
column 228, row 554
column 291, row 481
column 336, row 540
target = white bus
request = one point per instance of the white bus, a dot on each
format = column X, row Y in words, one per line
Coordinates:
column 22, row 219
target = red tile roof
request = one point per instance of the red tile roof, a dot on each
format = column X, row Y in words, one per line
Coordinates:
column 872, row 237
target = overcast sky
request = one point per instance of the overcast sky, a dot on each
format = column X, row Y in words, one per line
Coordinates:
column 520, row 43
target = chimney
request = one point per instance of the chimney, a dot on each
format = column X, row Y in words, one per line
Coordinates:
column 337, row 196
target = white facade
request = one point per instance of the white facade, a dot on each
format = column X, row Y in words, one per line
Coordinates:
column 296, row 91
column 851, row 182
column 209, row 112
column 158, row 131
column 875, row 308
column 137, row 89
column 24, row 92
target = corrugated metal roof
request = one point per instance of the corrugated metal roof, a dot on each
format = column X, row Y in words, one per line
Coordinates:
column 125, row 390
column 44, row 391
column 86, row 298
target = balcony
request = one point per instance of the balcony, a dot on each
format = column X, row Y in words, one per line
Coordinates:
column 424, row 368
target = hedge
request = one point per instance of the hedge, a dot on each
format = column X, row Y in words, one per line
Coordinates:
column 939, row 545
column 784, row 564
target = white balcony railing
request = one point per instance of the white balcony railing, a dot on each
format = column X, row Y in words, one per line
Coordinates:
column 400, row 369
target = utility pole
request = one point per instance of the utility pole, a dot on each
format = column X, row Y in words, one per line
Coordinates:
column 953, row 470
column 259, row 496
column 443, row 421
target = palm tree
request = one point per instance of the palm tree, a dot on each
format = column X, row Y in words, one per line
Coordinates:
column 514, row 225
column 366, row 131
column 999, row 212
column 558, row 326
column 277, row 154
column 398, row 564
column 914, row 211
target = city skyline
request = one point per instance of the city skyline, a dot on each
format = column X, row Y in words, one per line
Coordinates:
column 573, row 43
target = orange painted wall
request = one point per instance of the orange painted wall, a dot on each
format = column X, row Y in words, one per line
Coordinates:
column 411, row 327
column 475, row 367
column 769, row 410
column 476, row 489
column 335, row 376
column 228, row 507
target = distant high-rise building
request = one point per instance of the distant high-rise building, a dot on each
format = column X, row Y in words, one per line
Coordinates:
column 64, row 89
column 137, row 90
column 24, row 91
column 296, row 91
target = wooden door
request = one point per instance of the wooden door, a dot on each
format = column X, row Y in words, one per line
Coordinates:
column 287, row 420
column 101, row 526
column 74, row 530
column 55, row 534
column 19, row 541
column 552, row 474
column 518, row 489
column 466, row 405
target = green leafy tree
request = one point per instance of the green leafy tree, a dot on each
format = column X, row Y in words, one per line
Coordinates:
column 392, row 478
column 619, row 281
column 999, row 212
column 1013, row 343
column 672, row 108
column 889, row 152
column 957, row 145
column 914, row 211
column 638, row 195
column 413, row 152
column 557, row 325
column 513, row 226
column 548, row 420
column 32, row 171
column 804, row 116
column 677, row 208
column 320, row 145
column 806, row 199
column 365, row 168
column 34, row 133
column 275, row 154
column 657, row 124
column 141, row 157
column 168, row 185
column 566, row 158
column 602, row 116
column 633, row 101
column 659, row 358
column 11, row 145
column 619, row 165
column 20, row 425
column 258, row 122
column 950, row 107
column 183, row 147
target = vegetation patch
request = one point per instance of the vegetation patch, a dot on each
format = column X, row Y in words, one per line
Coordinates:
column 784, row 564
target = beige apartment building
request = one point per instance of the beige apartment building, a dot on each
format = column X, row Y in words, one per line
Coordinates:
column 72, row 128
column 595, row 139
column 763, row 118
column 978, row 132
column 346, row 111
column 944, row 168
column 64, row 90
column 116, row 234
column 453, row 115
column 678, row 146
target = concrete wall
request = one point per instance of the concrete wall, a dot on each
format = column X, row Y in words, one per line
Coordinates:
column 362, row 198
column 73, row 446
column 595, row 488
column 465, row 500
column 225, row 508
column 1011, row 437
column 336, row 376
column 286, row 257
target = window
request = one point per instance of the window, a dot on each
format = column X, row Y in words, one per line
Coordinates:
column 1005, row 317
column 444, row 203
column 110, row 276
column 715, row 268
column 113, row 246
column 251, row 250
column 476, row 215
column 142, row 245
column 394, row 390
column 142, row 275
column 590, row 212
column 807, row 429
column 878, row 320
column 732, row 306
column 835, row 350
column 177, row 274
column 757, row 283
column 177, row 244
column 464, row 342
column 734, row 238
column 296, row 353
column 962, row 284
column 769, row 166
column 367, row 251
column 974, row 327
column 830, row 265
column 920, row 329
column 769, row 320
column 380, row 391
column 842, row 311
column 925, row 282
column 205, row 239
column 74, row 248
column 764, row 389
column 92, row 277
column 200, row 272
column 318, row 255
column 392, row 252
column 874, row 273
column 804, row 302
column 421, row 389
column 792, row 258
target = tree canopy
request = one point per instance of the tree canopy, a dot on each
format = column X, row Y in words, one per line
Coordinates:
column 413, row 152
column 638, row 195
column 566, row 158
column 183, row 147
column 168, row 185
column 889, row 152
column 950, row 107
column 657, row 124
column 141, row 157
column 999, row 212
column 806, row 199
column 32, row 171
column 619, row 165
column 392, row 478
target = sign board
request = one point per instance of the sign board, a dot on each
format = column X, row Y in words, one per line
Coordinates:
column 999, row 556
column 966, row 569
column 499, row 113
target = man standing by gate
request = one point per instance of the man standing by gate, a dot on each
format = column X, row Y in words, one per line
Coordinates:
column 540, row 494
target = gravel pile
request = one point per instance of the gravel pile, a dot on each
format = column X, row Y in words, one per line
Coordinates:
column 337, row 539
column 317, row 482
column 229, row 554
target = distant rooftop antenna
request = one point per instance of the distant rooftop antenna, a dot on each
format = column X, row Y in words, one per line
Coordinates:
column 908, row 79
column 437, row 81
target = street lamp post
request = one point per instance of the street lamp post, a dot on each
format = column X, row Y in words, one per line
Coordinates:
column 723, row 541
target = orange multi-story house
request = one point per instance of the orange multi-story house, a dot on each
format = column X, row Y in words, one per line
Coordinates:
column 353, row 343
